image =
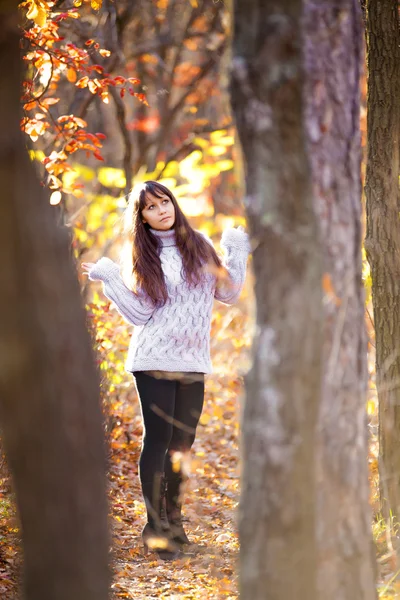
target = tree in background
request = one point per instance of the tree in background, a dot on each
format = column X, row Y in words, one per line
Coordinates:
column 49, row 398
column 382, row 242
column 90, row 63
column 58, row 50
column 121, row 92
column 278, row 62
column 176, row 50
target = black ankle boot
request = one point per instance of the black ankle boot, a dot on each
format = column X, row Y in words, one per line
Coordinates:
column 178, row 533
column 174, row 515
column 156, row 534
column 159, row 542
column 163, row 511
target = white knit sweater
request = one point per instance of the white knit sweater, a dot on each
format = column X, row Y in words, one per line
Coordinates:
column 176, row 336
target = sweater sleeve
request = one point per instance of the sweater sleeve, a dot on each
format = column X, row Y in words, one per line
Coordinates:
column 236, row 246
column 135, row 309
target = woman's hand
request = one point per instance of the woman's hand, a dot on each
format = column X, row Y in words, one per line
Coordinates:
column 235, row 238
column 86, row 267
column 102, row 270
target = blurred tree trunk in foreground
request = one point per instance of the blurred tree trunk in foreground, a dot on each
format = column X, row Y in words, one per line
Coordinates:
column 383, row 233
column 291, row 523
column 278, row 546
column 333, row 59
column 49, row 399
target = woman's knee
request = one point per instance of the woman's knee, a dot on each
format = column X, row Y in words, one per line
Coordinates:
column 159, row 442
column 181, row 442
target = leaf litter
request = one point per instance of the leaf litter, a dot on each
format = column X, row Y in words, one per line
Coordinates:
column 212, row 491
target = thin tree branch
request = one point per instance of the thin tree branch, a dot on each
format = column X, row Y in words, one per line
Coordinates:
column 183, row 151
column 171, row 114
column 188, row 146
column 121, row 116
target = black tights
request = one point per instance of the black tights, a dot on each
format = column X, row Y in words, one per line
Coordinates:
column 171, row 410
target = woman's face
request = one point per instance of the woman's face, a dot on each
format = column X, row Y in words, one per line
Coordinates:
column 159, row 212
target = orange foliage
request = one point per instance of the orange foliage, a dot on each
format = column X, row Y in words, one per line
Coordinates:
column 50, row 58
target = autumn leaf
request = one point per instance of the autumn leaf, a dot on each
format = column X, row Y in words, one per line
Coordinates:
column 148, row 124
column 93, row 87
column 77, row 193
column 50, row 56
column 82, row 82
column 191, row 44
column 71, row 75
column 46, row 102
column 36, row 12
column 329, row 290
column 55, row 198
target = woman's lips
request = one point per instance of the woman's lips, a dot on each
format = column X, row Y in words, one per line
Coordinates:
column 165, row 219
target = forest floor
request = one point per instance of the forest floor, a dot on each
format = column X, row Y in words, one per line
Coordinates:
column 211, row 498
column 212, row 495
column 210, row 510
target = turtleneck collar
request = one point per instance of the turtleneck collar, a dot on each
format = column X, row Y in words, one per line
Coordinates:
column 167, row 237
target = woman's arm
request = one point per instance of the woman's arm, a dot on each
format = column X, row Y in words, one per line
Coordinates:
column 236, row 246
column 134, row 309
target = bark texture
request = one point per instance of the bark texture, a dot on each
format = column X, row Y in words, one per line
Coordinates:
column 278, row 552
column 299, row 382
column 333, row 37
column 383, row 232
column 49, row 402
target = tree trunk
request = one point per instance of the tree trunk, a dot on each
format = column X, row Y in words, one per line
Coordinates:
column 333, row 33
column 283, row 389
column 278, row 553
column 383, row 232
column 49, row 399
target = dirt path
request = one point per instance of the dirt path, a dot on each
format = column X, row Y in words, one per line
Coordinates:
column 210, row 511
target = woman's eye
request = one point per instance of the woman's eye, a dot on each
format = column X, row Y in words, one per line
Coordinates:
column 150, row 207
column 165, row 201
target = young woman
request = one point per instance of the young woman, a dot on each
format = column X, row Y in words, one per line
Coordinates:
column 175, row 274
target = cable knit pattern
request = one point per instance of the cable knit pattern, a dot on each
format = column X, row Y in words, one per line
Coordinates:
column 236, row 246
column 131, row 306
column 176, row 336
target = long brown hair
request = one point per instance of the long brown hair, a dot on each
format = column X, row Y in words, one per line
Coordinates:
column 145, row 266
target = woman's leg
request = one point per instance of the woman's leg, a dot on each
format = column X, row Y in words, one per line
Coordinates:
column 188, row 407
column 157, row 399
